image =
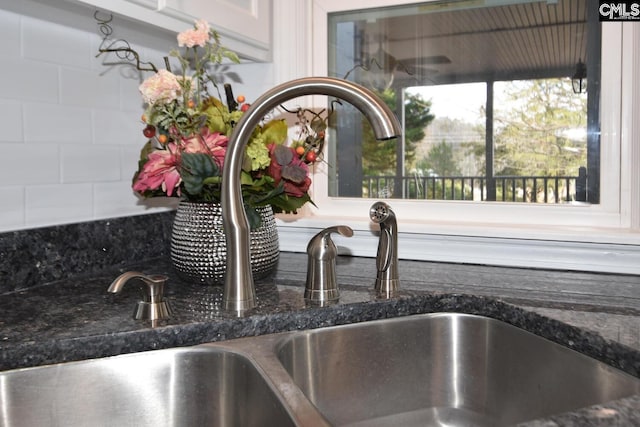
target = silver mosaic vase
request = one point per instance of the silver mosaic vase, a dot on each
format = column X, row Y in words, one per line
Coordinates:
column 199, row 249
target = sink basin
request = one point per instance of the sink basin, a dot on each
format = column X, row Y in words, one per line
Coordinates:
column 195, row 386
column 433, row 369
column 443, row 369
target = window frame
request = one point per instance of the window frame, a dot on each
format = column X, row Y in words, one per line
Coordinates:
column 566, row 236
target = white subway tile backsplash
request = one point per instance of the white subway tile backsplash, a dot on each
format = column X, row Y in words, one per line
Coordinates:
column 28, row 80
column 9, row 34
column 12, row 208
column 57, row 44
column 82, row 163
column 129, row 157
column 130, row 98
column 29, row 164
column 117, row 128
column 11, row 121
column 118, row 199
column 88, row 88
column 52, row 204
column 57, row 124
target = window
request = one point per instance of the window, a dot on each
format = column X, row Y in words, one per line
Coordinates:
column 486, row 95
column 591, row 236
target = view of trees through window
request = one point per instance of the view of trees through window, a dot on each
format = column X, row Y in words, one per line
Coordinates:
column 539, row 132
column 486, row 96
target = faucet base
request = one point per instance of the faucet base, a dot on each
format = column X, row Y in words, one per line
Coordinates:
column 322, row 295
column 387, row 288
column 152, row 310
column 239, row 306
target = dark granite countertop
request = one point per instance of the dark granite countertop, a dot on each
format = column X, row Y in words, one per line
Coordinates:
column 74, row 318
column 77, row 319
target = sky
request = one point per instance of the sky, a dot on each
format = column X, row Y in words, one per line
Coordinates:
column 463, row 101
column 460, row 101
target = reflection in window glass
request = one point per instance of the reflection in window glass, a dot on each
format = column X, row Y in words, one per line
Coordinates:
column 486, row 98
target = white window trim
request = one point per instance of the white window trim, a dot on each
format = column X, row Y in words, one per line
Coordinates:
column 604, row 237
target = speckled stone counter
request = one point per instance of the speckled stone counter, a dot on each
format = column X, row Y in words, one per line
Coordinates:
column 58, row 309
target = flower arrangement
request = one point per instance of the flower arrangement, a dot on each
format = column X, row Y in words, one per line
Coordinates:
column 188, row 130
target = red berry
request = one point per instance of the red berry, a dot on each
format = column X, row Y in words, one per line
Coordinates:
column 241, row 99
column 149, row 131
column 311, row 156
column 244, row 107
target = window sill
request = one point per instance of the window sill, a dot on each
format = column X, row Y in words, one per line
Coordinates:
column 611, row 250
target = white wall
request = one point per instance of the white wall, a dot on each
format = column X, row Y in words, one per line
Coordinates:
column 70, row 126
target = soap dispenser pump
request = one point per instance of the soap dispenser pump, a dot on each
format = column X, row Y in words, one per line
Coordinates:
column 322, row 286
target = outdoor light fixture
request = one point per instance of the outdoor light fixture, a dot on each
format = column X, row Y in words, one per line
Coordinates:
column 579, row 79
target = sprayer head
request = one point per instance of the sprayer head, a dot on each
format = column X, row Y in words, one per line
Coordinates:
column 380, row 212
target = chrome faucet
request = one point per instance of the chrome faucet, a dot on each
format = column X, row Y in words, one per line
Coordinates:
column 387, row 280
column 239, row 289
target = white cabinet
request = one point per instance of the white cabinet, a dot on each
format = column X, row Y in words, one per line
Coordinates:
column 244, row 25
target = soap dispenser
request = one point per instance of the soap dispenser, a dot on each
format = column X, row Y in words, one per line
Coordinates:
column 322, row 286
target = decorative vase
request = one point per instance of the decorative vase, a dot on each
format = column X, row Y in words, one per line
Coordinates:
column 199, row 248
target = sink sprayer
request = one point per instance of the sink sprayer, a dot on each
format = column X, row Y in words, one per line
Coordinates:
column 387, row 281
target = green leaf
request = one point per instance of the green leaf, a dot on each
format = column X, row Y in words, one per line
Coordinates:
column 290, row 204
column 275, row 132
column 144, row 156
column 232, row 56
column 215, row 180
column 146, row 149
column 196, row 168
column 253, row 217
column 318, row 125
column 272, row 194
column 246, row 178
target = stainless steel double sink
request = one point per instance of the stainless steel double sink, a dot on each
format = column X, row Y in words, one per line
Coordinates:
column 431, row 369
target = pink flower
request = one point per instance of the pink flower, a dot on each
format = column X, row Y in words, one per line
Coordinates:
column 198, row 36
column 160, row 171
column 163, row 87
column 213, row 144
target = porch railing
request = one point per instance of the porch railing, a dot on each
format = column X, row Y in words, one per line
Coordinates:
column 527, row 189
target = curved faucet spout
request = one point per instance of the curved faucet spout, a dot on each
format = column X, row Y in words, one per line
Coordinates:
column 239, row 289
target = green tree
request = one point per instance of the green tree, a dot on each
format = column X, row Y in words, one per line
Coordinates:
column 440, row 161
column 380, row 158
column 466, row 144
column 533, row 129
